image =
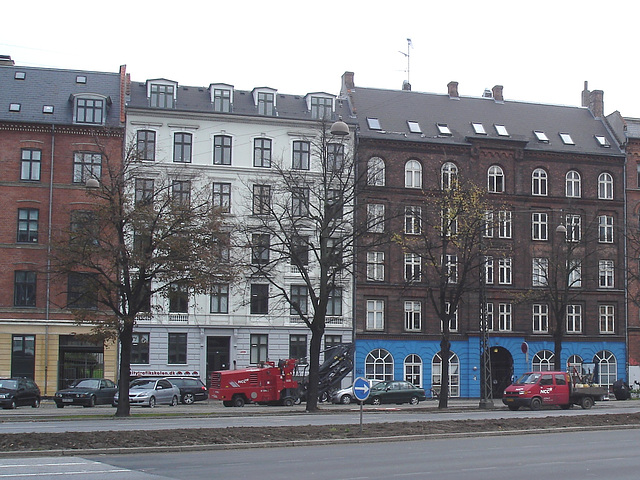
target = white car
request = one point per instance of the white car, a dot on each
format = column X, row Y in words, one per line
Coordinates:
column 151, row 392
column 345, row 396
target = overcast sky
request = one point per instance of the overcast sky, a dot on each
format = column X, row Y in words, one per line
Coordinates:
column 540, row 51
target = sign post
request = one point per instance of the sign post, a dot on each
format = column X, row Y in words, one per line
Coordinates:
column 361, row 388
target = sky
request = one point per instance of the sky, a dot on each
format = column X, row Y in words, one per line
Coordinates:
column 540, row 51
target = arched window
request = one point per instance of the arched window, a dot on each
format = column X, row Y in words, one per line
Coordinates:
column 607, row 368
column 376, row 172
column 449, row 177
column 413, row 369
column 573, row 187
column 454, row 374
column 539, row 182
column 378, row 365
column 495, row 178
column 605, row 186
column 543, row 361
column 574, row 365
column 413, row 174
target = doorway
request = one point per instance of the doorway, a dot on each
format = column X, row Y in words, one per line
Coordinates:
column 501, row 370
column 217, row 354
column 79, row 359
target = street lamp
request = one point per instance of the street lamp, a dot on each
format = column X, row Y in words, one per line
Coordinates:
column 92, row 183
column 339, row 128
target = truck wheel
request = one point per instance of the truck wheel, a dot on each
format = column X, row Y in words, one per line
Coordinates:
column 587, row 403
column 536, row 404
column 513, row 408
column 238, row 401
column 288, row 401
column 566, row 406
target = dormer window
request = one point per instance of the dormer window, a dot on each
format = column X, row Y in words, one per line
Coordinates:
column 414, row 127
column 443, row 128
column 266, row 103
column 603, row 141
column 501, row 130
column 374, row 124
column 90, row 109
column 221, row 97
column 541, row 136
column 566, row 139
column 162, row 93
column 321, row 108
column 478, row 128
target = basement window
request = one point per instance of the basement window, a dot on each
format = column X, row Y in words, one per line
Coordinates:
column 414, row 127
column 541, row 136
column 374, row 124
column 478, row 128
column 603, row 141
column 443, row 128
column 566, row 139
column 502, row 130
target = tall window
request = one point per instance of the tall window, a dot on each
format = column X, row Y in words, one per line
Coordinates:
column 375, row 266
column 321, row 108
column 488, row 224
column 413, row 370
column 89, row 110
column 378, row 365
column 607, row 368
column 334, row 204
column 413, row 174
column 335, row 157
column 573, row 187
column 412, row 316
column 144, row 191
column 81, row 291
column 262, row 152
column 181, row 192
column 607, row 319
column 504, row 224
column 453, row 321
column 221, row 100
column 177, row 349
column 259, row 348
column 259, row 298
column 495, row 179
column 261, row 199
column 84, row 229
column 539, row 182
column 222, row 196
column 28, row 225
column 605, row 229
column 375, row 314
column 412, row 267
column 540, row 269
column 298, row 348
column 299, row 251
column 182, row 143
column 451, row 268
column 219, row 298
column 221, row 150
column 575, row 273
column 605, row 273
column 412, row 220
column 260, row 243
column 265, row 103
column 504, row 271
column 454, row 373
column 30, row 164
column 178, row 298
column 539, row 227
column 540, row 318
column 504, row 317
column 86, row 165
column 449, row 175
column 140, row 348
column 574, row 318
column 376, row 172
column 605, row 186
column 375, row 217
column 490, row 312
column 299, row 296
column 489, row 272
column 301, row 155
column 573, row 224
column 299, row 202
column 146, row 145
column 162, row 96
column 334, row 306
column 24, row 289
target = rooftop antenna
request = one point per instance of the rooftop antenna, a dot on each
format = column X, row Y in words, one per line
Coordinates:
column 408, row 55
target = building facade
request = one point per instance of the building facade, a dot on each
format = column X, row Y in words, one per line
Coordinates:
column 556, row 177
column 54, row 127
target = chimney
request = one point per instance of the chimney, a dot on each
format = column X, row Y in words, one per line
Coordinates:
column 585, row 94
column 6, row 60
column 347, row 81
column 406, row 86
column 453, row 89
column 497, row 93
column 596, row 103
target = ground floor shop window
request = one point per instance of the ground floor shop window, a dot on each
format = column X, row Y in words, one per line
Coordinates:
column 23, row 352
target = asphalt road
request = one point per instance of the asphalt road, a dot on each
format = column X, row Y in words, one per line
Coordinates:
column 570, row 456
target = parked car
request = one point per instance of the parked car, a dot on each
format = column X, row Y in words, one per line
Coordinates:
column 151, row 392
column 345, row 395
column 15, row 392
column 87, row 392
column 191, row 389
column 395, row 392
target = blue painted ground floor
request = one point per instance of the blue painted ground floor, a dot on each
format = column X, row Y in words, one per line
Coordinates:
column 419, row 362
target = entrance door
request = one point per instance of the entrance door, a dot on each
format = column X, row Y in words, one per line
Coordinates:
column 501, row 370
column 217, row 354
column 79, row 359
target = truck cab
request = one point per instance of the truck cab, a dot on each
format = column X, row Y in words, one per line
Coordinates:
column 535, row 389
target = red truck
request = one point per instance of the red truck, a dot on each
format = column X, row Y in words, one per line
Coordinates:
column 535, row 389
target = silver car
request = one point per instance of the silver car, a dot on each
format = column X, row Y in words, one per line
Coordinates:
column 151, row 392
column 346, row 396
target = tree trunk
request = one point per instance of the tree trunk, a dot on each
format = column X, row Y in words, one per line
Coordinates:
column 558, row 335
column 125, row 337
column 445, row 353
column 314, row 367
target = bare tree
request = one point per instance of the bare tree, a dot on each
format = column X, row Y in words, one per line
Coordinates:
column 148, row 229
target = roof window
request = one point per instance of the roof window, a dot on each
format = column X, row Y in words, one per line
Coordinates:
column 541, row 136
column 443, row 128
column 81, row 79
column 14, row 107
column 414, row 127
column 603, row 141
column 566, row 139
column 478, row 128
column 502, row 130
column 374, row 124
column 20, row 75
column 47, row 109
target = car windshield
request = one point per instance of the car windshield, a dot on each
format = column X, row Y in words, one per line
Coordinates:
column 527, row 379
column 87, row 383
column 12, row 384
column 143, row 383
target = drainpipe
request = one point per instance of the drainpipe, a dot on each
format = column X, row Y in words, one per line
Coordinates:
column 48, row 277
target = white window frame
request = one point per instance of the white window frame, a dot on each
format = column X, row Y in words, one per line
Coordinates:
column 412, row 267
column 607, row 319
column 539, row 226
column 412, row 316
column 413, row 174
column 605, row 186
column 505, row 271
column 574, row 318
column 489, row 271
column 539, row 269
column 375, row 217
column 606, row 273
column 573, row 224
column 504, row 224
column 448, row 175
column 505, row 321
column 495, row 179
column 574, row 267
column 539, row 182
column 540, row 318
column 605, row 229
column 375, row 266
column 375, row 315
column 376, row 172
column 412, row 220
column 573, row 184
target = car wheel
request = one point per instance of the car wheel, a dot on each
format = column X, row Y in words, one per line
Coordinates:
column 152, row 402
column 92, row 401
column 345, row 399
column 238, row 401
column 376, row 401
column 536, row 404
column 174, row 401
column 36, row 403
column 188, row 398
column 414, row 400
